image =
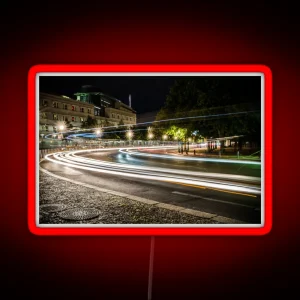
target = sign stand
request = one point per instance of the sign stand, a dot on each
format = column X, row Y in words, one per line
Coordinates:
column 151, row 269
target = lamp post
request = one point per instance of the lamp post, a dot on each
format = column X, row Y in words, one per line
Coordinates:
column 164, row 138
column 150, row 136
column 61, row 128
column 129, row 135
column 98, row 133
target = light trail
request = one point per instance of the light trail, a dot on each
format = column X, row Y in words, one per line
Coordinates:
column 216, row 160
column 207, row 180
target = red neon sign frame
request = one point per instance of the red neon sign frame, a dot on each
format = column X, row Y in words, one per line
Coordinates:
column 32, row 160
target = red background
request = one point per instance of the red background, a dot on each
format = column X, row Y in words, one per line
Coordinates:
column 184, row 267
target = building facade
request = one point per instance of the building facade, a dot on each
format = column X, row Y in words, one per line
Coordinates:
column 57, row 110
column 107, row 106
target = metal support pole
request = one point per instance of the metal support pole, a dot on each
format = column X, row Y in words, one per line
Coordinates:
column 151, row 268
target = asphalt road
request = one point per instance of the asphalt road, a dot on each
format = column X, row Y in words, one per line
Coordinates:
column 228, row 189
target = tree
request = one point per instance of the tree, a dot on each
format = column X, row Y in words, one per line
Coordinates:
column 212, row 106
column 89, row 123
column 69, row 125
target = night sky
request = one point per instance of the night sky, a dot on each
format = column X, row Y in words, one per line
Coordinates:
column 147, row 93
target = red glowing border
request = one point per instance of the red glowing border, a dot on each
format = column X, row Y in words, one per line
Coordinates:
column 149, row 231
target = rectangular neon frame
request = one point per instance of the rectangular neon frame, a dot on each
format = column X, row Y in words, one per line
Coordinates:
column 263, row 71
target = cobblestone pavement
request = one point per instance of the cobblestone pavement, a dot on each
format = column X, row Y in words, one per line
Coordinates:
column 61, row 196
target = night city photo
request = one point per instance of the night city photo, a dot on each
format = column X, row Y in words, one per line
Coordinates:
column 150, row 150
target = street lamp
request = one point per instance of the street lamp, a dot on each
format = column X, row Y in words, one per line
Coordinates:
column 98, row 133
column 129, row 134
column 164, row 138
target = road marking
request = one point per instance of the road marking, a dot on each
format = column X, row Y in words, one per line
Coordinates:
column 180, row 209
column 197, row 186
column 253, row 196
column 211, row 199
column 210, row 188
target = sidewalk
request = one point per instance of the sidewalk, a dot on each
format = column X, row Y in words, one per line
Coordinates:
column 57, row 197
column 202, row 152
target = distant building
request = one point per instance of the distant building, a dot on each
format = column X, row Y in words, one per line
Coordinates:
column 57, row 109
column 107, row 106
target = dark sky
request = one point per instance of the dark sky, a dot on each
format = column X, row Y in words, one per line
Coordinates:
column 147, row 93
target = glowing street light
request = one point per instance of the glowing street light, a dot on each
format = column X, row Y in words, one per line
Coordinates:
column 61, row 127
column 150, row 136
column 189, row 139
column 98, row 131
column 129, row 134
column 165, row 136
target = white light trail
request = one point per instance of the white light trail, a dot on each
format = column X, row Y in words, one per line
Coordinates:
column 217, row 160
column 70, row 159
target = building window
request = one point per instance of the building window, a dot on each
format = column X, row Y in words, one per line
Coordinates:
column 54, row 129
column 130, row 119
column 89, row 110
column 118, row 117
column 73, row 119
column 83, row 98
column 55, row 117
column 81, row 119
column 81, row 109
column 73, row 107
column 96, row 111
column 65, row 106
column 55, row 104
column 44, row 115
column 45, row 103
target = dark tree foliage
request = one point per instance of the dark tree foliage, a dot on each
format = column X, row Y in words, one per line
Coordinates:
column 214, row 106
column 89, row 123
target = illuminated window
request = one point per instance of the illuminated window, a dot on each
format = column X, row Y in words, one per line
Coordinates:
column 73, row 107
column 55, row 117
column 81, row 119
column 55, row 104
column 81, row 109
column 96, row 111
column 44, row 115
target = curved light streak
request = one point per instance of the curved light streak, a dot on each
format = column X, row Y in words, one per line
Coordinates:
column 218, row 160
column 70, row 159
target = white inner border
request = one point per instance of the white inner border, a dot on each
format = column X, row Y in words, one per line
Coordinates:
column 152, row 74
